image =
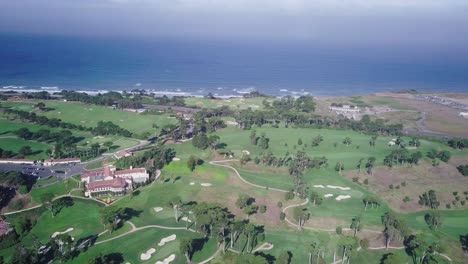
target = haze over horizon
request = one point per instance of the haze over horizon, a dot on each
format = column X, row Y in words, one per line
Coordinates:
column 418, row 25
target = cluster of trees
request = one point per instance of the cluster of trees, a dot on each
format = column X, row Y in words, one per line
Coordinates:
column 443, row 155
column 55, row 206
column 458, row 143
column 286, row 104
column 6, row 194
column 433, row 219
column 215, row 222
column 170, row 101
column 394, row 228
column 247, row 204
column 64, row 137
column 7, row 153
column 42, row 120
column 108, row 128
column 152, row 159
column 262, row 141
column 106, row 99
column 193, row 162
column 370, row 200
column 22, row 182
column 402, row 156
column 203, row 141
column 463, row 169
column 429, row 199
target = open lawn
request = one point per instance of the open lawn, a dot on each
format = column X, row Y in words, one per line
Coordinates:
column 59, row 188
column 15, row 144
column 90, row 115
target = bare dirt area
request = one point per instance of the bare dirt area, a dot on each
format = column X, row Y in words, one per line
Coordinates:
column 444, row 179
column 438, row 118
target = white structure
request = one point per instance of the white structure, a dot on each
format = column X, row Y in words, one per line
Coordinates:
column 52, row 162
column 463, row 114
column 17, row 161
column 122, row 154
column 345, row 108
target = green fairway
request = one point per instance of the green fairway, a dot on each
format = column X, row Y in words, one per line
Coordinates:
column 83, row 217
column 15, row 144
column 133, row 245
column 90, row 115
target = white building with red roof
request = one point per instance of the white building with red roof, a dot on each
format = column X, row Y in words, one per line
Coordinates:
column 108, row 179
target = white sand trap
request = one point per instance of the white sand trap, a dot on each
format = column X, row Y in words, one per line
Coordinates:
column 147, row 254
column 342, row 197
column 166, row 260
column 231, row 123
column 61, row 233
column 319, row 186
column 158, row 209
column 186, row 219
column 338, row 187
column 175, row 159
column 246, row 152
column 206, row 184
column 166, row 239
column 328, row 195
column 192, row 183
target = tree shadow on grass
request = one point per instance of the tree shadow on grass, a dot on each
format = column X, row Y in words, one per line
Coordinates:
column 129, row 213
column 198, row 244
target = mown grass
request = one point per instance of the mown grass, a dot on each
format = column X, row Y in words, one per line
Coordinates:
column 57, row 189
column 15, row 144
column 90, row 115
column 233, row 103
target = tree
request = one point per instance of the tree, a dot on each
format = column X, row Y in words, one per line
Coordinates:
column 46, row 200
column 192, row 162
column 429, row 199
column 242, row 201
column 347, row 141
column 433, row 219
column 301, row 215
column 25, row 151
column 444, row 155
column 463, row 169
column 315, row 198
column 111, row 217
column 41, row 106
column 175, row 202
column 392, row 258
column 372, row 141
column 263, row 142
column 356, row 225
column 108, row 145
column 370, row 165
column 250, row 210
column 185, row 247
column 339, row 167
column 299, row 142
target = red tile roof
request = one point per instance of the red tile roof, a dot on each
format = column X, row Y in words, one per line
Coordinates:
column 114, row 183
column 138, row 170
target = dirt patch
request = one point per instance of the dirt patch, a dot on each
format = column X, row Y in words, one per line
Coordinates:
column 413, row 181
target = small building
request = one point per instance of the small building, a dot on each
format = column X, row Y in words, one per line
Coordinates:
column 17, row 161
column 463, row 114
column 53, row 162
column 122, row 154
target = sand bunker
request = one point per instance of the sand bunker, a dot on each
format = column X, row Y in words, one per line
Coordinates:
column 175, row 159
column 246, row 152
column 158, row 209
column 166, row 239
column 328, row 195
column 231, row 123
column 319, row 186
column 186, row 219
column 61, row 233
column 342, row 197
column 147, row 254
column 166, row 260
column 192, row 183
column 338, row 187
column 206, row 184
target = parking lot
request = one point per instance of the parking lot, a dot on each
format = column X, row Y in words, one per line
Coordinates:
column 41, row 172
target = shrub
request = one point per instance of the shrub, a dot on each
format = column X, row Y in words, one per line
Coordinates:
column 455, row 193
column 366, row 181
column 355, row 179
column 23, row 189
column 457, row 198
column 406, row 199
column 364, row 243
column 279, row 204
column 289, row 195
column 390, row 186
column 462, row 202
column 262, row 209
column 282, row 216
column 448, row 206
column 397, row 187
column 339, row 230
column 403, row 184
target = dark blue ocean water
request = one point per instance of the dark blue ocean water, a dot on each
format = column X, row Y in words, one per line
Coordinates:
column 31, row 62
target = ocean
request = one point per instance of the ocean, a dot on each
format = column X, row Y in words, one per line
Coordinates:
column 52, row 63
